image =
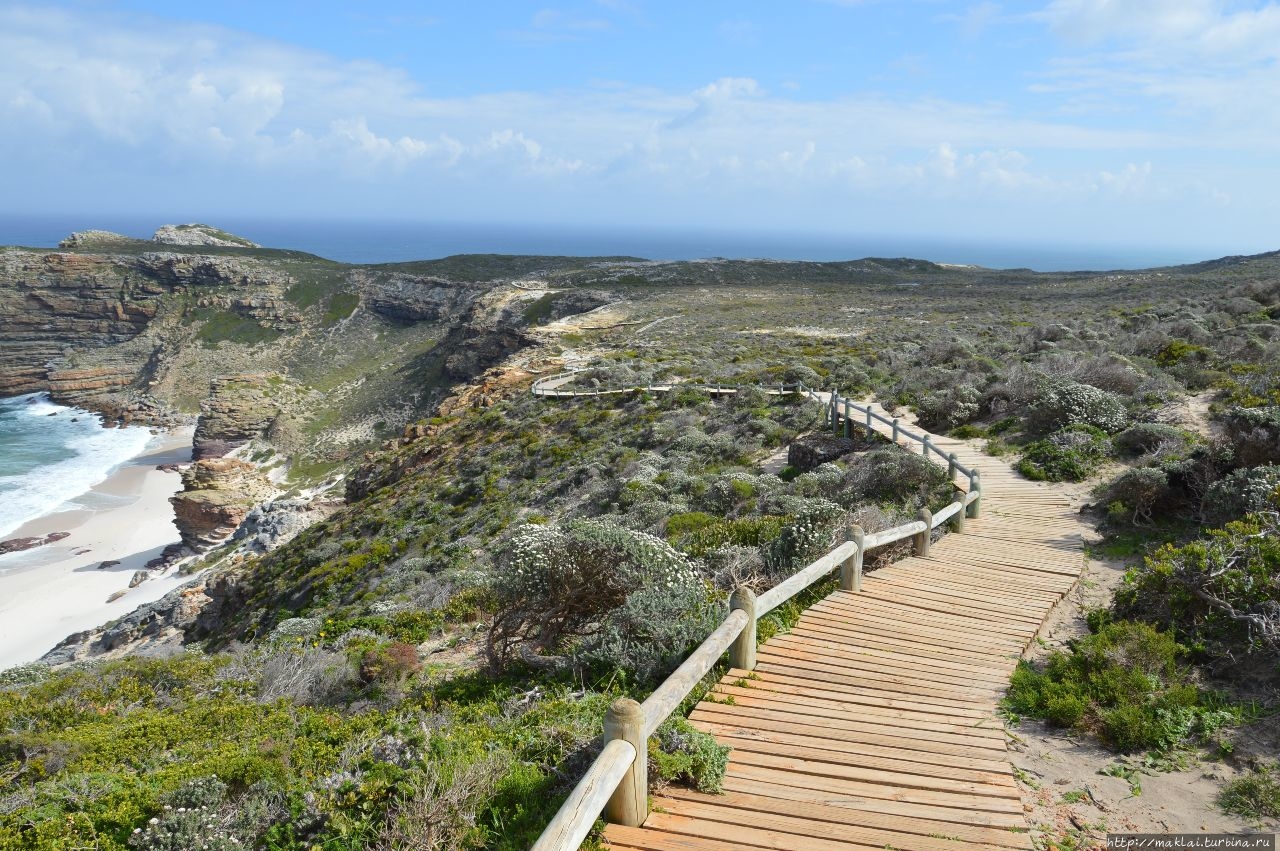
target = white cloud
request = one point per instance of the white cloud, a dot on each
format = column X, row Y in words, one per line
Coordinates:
column 79, row 90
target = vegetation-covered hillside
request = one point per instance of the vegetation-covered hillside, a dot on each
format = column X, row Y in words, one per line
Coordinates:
column 427, row 666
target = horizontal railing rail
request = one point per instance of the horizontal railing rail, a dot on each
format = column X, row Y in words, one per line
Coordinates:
column 617, row 781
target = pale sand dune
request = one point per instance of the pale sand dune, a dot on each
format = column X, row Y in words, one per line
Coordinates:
column 55, row 590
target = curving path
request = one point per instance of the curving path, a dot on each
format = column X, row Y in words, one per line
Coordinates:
column 872, row 724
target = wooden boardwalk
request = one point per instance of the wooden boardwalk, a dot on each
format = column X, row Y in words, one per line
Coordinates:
column 872, row 724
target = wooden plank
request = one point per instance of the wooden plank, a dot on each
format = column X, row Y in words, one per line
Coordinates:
column 744, row 719
column 837, row 794
column 859, row 706
column 841, row 813
column 1000, row 800
column 889, row 755
column 807, row 828
column 887, row 702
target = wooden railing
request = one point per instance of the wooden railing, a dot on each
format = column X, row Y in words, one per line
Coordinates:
column 617, row 782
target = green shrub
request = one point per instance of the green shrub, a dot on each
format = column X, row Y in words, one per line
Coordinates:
column 1069, row 455
column 1067, row 403
column 680, row 752
column 1144, row 438
column 1124, row 683
column 894, row 475
column 1254, row 434
column 598, row 592
column 1135, row 494
column 1241, row 492
column 1222, row 592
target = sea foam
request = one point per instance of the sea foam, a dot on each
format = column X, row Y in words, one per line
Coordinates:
column 51, row 454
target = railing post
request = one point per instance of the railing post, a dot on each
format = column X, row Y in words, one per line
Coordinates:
column 922, row 538
column 848, row 422
column 629, row 805
column 742, row 653
column 870, row 430
column 957, row 520
column 851, row 568
column 951, row 466
column 895, row 430
column 975, row 486
column 924, row 445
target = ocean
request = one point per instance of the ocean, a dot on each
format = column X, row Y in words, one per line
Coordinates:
column 389, row 242
column 51, row 455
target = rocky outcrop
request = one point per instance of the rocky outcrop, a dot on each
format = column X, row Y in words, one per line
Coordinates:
column 60, row 313
column 198, row 234
column 813, row 450
column 238, row 409
column 97, row 239
column 217, row 495
column 275, row 523
column 153, row 629
column 414, row 298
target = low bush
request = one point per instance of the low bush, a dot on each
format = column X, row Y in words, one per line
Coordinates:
column 1071, row 454
column 1067, row 403
column 1135, row 494
column 597, row 592
column 1254, row 433
column 1124, row 683
column 1150, row 438
column 1241, row 492
column 1222, row 592
column 893, row 475
column 681, row 753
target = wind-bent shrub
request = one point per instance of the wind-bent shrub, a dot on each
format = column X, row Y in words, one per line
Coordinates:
column 1221, row 592
column 600, row 593
column 1136, row 493
column 1065, row 403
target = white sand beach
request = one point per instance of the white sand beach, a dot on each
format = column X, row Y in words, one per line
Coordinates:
column 52, row 591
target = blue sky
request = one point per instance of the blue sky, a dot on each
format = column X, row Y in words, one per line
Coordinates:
column 1108, row 122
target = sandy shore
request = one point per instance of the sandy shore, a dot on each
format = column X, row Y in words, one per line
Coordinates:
column 52, row 591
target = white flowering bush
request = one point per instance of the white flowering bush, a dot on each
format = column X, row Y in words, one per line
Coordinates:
column 804, row 540
column 1066, row 403
column 597, row 593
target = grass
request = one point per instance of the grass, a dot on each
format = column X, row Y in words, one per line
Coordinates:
column 224, row 326
column 1255, row 795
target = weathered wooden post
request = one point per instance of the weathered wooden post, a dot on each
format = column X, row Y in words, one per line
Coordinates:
column 922, row 538
column 957, row 520
column 924, row 445
column 895, row 430
column 975, row 487
column 851, row 568
column 742, row 653
column 951, row 466
column 870, row 430
column 629, row 804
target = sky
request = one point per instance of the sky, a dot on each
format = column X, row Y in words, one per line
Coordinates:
column 1107, row 122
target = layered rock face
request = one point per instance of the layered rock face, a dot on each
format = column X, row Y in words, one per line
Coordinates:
column 238, row 409
column 218, row 494
column 70, row 323
column 50, row 302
